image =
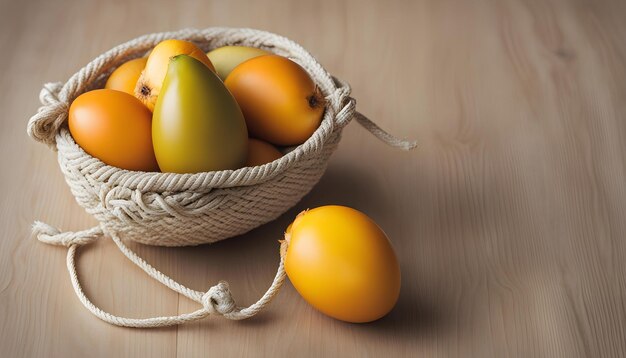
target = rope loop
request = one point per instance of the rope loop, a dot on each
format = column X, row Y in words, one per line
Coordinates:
column 338, row 97
column 45, row 124
column 346, row 114
column 218, row 300
column 50, row 93
column 53, row 236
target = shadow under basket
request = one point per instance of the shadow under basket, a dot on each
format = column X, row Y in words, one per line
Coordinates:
column 168, row 209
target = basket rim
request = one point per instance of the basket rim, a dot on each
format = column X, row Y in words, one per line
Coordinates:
column 335, row 91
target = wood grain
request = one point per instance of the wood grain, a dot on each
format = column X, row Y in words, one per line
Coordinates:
column 508, row 221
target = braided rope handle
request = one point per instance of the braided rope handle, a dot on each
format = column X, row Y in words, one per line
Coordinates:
column 217, row 300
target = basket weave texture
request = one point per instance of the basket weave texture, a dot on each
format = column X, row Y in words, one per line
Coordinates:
column 168, row 209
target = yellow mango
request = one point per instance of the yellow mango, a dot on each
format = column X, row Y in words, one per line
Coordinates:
column 149, row 84
column 226, row 58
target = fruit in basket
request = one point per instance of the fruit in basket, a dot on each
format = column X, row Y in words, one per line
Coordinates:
column 260, row 152
column 125, row 77
column 197, row 125
column 226, row 58
column 149, row 84
column 342, row 263
column 114, row 127
column 280, row 101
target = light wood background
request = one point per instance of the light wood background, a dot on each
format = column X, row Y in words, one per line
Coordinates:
column 509, row 221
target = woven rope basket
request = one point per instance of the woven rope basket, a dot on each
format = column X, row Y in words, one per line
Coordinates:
column 168, row 209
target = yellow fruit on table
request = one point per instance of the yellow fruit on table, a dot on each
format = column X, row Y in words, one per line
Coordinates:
column 125, row 77
column 114, row 127
column 226, row 58
column 149, row 84
column 260, row 152
column 342, row 263
column 280, row 101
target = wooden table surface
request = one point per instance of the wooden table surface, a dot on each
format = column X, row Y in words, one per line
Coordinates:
column 509, row 221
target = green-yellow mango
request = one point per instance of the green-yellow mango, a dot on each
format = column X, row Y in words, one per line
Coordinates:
column 197, row 125
column 228, row 57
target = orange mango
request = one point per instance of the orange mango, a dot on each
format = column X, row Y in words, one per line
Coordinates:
column 281, row 103
column 260, row 152
column 125, row 77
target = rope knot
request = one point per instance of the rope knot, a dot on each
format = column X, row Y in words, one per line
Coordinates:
column 45, row 124
column 53, row 236
column 218, row 300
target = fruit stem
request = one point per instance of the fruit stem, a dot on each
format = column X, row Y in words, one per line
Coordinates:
column 316, row 99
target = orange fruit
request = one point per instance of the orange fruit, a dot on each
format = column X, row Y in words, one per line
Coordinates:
column 278, row 98
column 114, row 127
column 125, row 77
column 342, row 263
column 149, row 84
column 260, row 152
